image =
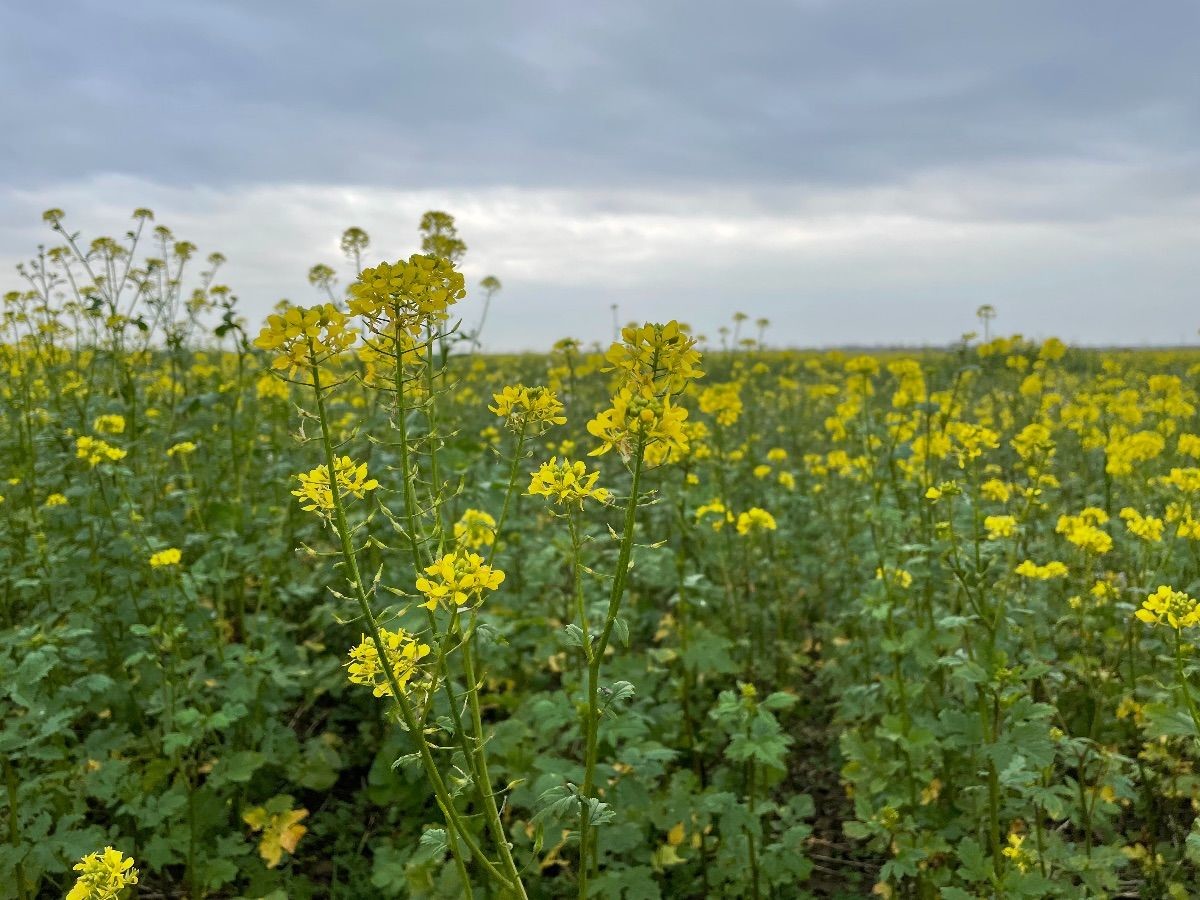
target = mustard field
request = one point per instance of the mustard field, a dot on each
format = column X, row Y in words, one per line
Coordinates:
column 338, row 605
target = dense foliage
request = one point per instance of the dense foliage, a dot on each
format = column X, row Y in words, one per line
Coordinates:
column 656, row 621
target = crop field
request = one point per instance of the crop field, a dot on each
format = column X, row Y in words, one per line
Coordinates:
column 338, row 605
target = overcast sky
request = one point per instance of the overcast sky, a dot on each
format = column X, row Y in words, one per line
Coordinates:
column 857, row 172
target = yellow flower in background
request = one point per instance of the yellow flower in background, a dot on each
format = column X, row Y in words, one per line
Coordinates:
column 172, row 556
column 55, row 500
column 95, row 451
column 315, row 494
column 722, row 401
column 566, row 482
column 183, row 448
column 403, row 652
column 895, row 577
column 1148, row 528
column 716, row 508
column 1000, row 527
column 103, row 875
column 1083, row 531
column 1052, row 569
column 755, row 520
column 533, row 409
column 457, row 580
column 281, row 829
column 475, row 529
column 109, row 424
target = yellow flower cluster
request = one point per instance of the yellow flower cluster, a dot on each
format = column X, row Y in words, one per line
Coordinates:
column 1148, row 528
column 1084, row 532
column 1052, row 569
column 755, row 520
column 999, row 527
column 653, row 363
column 638, row 415
column 109, row 424
column 407, row 295
column 183, row 448
column 95, row 451
column 457, row 580
column 717, row 509
column 894, row 577
column 662, row 357
column 724, row 401
column 103, row 875
column 403, row 653
column 302, row 337
column 1169, row 606
column 315, row 494
column 475, row 529
column 163, row 558
column 566, row 482
column 529, row 409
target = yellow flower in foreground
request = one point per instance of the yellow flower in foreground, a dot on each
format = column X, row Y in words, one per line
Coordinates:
column 314, row 492
column 663, row 358
column 457, row 580
column 404, row 653
column 754, row 520
column 639, row 415
column 280, row 831
column 102, row 876
column 1024, row 859
column 169, row 557
column 566, row 482
column 305, row 336
column 1171, row 607
column 1052, row 569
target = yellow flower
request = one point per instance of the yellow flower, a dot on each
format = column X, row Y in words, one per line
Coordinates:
column 475, row 529
column 995, row 489
column 103, row 875
column 183, row 448
column 302, row 337
column 640, row 416
column 1148, row 528
column 900, row 578
column 169, row 557
column 314, row 492
column 715, row 508
column 1024, row 859
column 533, row 409
column 109, row 424
column 776, row 454
column 661, row 358
column 280, row 830
column 457, row 580
column 566, row 482
column 56, row 500
column 787, row 480
column 1000, row 527
column 754, row 520
column 722, row 401
column 405, row 296
column 404, row 654
column 1082, row 530
column 95, row 451
column 1052, row 569
column 1173, row 607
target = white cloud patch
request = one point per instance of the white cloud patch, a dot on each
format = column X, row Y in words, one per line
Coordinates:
column 905, row 264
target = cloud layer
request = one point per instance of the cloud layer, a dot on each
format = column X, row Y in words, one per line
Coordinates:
column 856, row 172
